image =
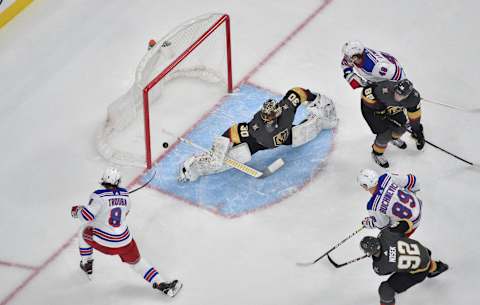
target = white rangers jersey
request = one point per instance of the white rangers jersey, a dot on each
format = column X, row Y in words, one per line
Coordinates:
column 106, row 212
column 394, row 200
column 376, row 66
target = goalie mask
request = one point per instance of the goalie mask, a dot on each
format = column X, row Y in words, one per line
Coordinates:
column 270, row 111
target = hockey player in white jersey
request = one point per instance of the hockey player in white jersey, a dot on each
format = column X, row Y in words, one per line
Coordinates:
column 363, row 65
column 393, row 198
column 104, row 229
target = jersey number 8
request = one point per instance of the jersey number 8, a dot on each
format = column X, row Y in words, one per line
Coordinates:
column 115, row 219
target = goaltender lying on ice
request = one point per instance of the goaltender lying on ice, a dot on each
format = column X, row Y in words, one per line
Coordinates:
column 270, row 127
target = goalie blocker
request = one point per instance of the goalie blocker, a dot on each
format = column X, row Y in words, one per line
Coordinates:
column 271, row 126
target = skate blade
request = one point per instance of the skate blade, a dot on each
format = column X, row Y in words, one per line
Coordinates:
column 173, row 292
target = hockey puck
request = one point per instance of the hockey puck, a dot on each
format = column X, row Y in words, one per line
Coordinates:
column 165, row 145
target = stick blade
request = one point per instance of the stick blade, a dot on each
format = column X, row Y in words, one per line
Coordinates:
column 304, row 264
column 334, row 263
column 276, row 165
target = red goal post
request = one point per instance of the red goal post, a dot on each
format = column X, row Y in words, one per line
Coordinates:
column 199, row 48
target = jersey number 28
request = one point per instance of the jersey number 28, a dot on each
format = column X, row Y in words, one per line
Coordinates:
column 409, row 257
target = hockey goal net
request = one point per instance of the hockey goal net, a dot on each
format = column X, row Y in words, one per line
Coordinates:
column 196, row 51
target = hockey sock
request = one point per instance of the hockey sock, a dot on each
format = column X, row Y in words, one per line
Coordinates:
column 86, row 251
column 147, row 271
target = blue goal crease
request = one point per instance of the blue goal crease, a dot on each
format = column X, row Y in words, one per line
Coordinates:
column 233, row 193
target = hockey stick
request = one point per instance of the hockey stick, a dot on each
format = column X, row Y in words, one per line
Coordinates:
column 451, row 106
column 273, row 167
column 144, row 185
column 333, row 248
column 408, row 128
column 336, row 265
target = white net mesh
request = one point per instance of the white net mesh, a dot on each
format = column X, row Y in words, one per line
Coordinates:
column 207, row 62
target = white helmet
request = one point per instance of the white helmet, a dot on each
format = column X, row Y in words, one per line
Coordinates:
column 367, row 178
column 111, row 176
column 351, row 48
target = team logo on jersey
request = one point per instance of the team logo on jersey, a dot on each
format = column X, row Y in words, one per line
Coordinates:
column 280, row 137
column 392, row 110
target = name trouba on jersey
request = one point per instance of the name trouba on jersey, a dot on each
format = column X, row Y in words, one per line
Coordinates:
column 117, row 201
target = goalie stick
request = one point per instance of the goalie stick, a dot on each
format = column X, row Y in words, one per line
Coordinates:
column 144, row 185
column 273, row 167
column 336, row 265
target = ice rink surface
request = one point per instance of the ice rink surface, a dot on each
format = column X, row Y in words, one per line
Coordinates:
column 64, row 62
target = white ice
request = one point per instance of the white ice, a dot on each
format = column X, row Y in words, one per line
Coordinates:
column 63, row 62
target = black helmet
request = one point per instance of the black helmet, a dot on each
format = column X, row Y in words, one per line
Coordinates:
column 370, row 245
column 403, row 87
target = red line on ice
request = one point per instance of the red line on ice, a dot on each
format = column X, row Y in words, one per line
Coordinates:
column 298, row 29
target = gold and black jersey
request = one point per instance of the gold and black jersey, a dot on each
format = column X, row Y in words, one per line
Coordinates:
column 279, row 132
column 400, row 253
column 380, row 97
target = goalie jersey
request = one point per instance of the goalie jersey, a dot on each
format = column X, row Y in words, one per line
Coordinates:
column 394, row 199
column 280, row 133
column 105, row 213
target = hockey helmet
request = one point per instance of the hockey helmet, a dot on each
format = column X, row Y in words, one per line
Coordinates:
column 352, row 48
column 270, row 110
column 111, row 176
column 403, row 87
column 370, row 245
column 367, row 178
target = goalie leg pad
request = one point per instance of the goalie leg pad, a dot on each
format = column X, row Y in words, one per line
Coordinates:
column 198, row 165
column 212, row 162
column 240, row 153
column 324, row 108
column 220, row 147
column 307, row 131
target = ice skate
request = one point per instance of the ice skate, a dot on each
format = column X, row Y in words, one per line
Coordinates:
column 399, row 143
column 87, row 268
column 441, row 267
column 169, row 288
column 380, row 160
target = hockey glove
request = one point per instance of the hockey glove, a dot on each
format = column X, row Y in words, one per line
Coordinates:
column 369, row 222
column 75, row 210
column 417, row 134
column 355, row 80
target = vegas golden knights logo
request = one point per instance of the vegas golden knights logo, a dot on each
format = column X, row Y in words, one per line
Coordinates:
column 391, row 110
column 280, row 137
